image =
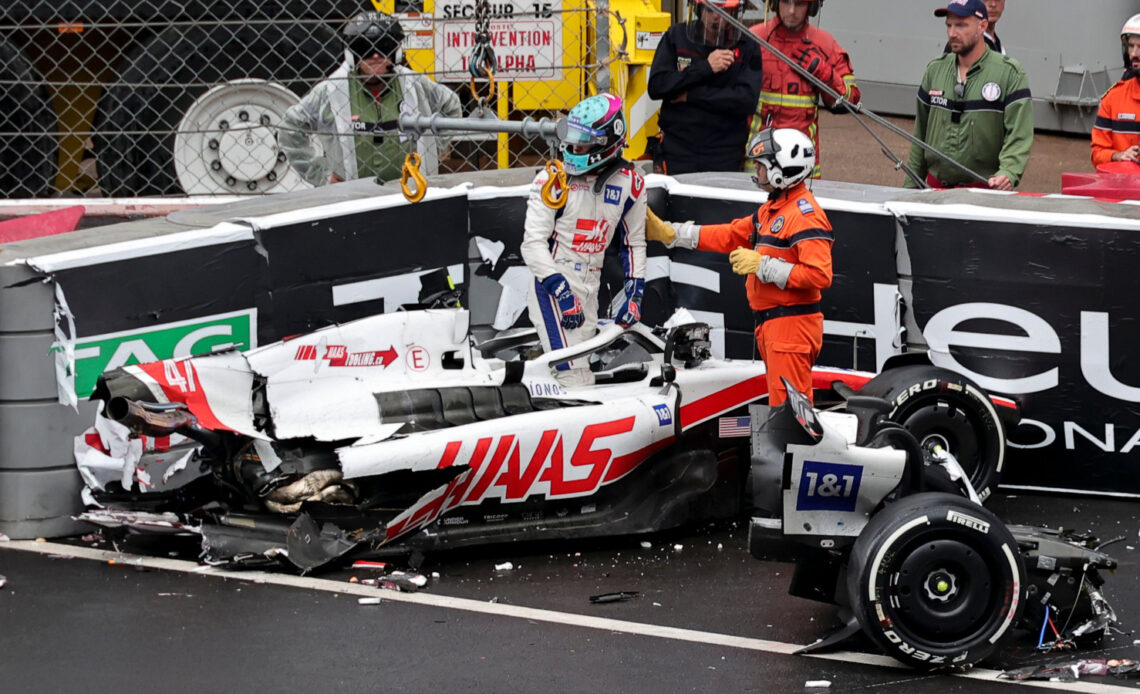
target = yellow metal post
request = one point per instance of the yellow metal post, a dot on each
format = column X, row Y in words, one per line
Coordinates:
column 504, row 154
column 645, row 24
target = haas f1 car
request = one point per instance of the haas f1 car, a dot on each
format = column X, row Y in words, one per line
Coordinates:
column 398, row 433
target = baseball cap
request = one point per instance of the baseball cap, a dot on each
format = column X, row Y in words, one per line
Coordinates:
column 964, row 8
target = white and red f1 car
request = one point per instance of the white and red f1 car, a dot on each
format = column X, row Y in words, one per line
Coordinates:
column 397, row 430
column 398, row 433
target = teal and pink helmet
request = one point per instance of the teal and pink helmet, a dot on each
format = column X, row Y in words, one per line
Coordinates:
column 598, row 122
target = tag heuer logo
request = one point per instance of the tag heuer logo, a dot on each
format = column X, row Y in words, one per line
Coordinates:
column 99, row 353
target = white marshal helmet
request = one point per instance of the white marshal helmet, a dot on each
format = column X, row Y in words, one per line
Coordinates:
column 787, row 154
column 1130, row 28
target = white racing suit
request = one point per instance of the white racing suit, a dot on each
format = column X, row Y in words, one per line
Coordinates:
column 572, row 241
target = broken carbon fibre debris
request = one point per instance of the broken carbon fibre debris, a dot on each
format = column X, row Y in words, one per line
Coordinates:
column 403, row 581
column 1071, row 671
column 619, row 596
column 1065, row 604
column 3, row 581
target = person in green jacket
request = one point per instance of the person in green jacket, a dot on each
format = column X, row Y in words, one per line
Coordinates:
column 326, row 136
column 974, row 106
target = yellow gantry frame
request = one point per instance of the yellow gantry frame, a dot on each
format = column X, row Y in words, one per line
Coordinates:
column 644, row 25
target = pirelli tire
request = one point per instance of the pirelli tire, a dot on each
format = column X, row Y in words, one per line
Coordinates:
column 140, row 111
column 940, row 406
column 935, row 580
column 28, row 148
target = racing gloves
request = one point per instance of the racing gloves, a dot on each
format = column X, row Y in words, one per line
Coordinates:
column 815, row 61
column 629, row 311
column 568, row 304
column 746, row 261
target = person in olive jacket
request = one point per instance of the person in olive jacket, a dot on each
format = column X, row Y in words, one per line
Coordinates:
column 974, row 106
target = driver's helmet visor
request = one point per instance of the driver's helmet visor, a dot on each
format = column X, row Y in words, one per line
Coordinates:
column 576, row 133
column 709, row 28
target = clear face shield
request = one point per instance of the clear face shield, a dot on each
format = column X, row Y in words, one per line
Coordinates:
column 579, row 142
column 708, row 28
column 762, row 153
column 1130, row 44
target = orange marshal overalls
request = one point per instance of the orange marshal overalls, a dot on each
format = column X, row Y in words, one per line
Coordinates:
column 1117, row 125
column 790, row 226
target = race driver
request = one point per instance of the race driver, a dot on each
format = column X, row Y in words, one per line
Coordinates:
column 565, row 248
column 784, row 249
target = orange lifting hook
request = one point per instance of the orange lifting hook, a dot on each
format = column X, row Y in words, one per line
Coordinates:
column 483, row 101
column 411, row 169
column 555, row 174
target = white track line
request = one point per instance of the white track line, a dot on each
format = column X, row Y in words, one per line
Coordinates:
column 531, row 613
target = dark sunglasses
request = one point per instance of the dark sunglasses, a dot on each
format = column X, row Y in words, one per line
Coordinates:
column 363, row 47
column 959, row 92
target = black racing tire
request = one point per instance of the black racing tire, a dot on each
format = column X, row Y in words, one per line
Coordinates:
column 28, row 161
column 139, row 112
column 937, row 404
column 935, row 580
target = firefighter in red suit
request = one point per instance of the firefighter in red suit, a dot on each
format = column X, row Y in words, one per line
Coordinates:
column 784, row 249
column 788, row 100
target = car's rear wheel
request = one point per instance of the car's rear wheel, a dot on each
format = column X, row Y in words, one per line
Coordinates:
column 941, row 407
column 936, row 581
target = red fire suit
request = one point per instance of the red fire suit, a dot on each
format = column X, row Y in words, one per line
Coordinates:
column 1117, row 125
column 788, row 100
column 789, row 332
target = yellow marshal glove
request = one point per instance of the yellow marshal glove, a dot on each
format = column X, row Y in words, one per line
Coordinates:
column 745, row 261
column 658, row 230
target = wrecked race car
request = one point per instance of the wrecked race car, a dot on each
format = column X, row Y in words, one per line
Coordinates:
column 933, row 578
column 398, row 433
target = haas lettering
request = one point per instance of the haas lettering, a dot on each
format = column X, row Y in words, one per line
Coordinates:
column 499, row 467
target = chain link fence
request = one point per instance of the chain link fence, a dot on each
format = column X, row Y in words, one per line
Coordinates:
column 127, row 98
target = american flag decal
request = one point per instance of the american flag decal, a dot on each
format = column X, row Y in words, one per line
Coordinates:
column 734, row 427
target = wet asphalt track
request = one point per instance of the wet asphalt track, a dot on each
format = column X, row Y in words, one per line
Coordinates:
column 708, row 618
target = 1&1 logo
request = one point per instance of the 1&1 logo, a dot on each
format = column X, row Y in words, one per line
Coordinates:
column 828, row 486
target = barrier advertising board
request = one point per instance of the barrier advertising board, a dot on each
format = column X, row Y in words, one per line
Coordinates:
column 1041, row 308
column 1029, row 297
